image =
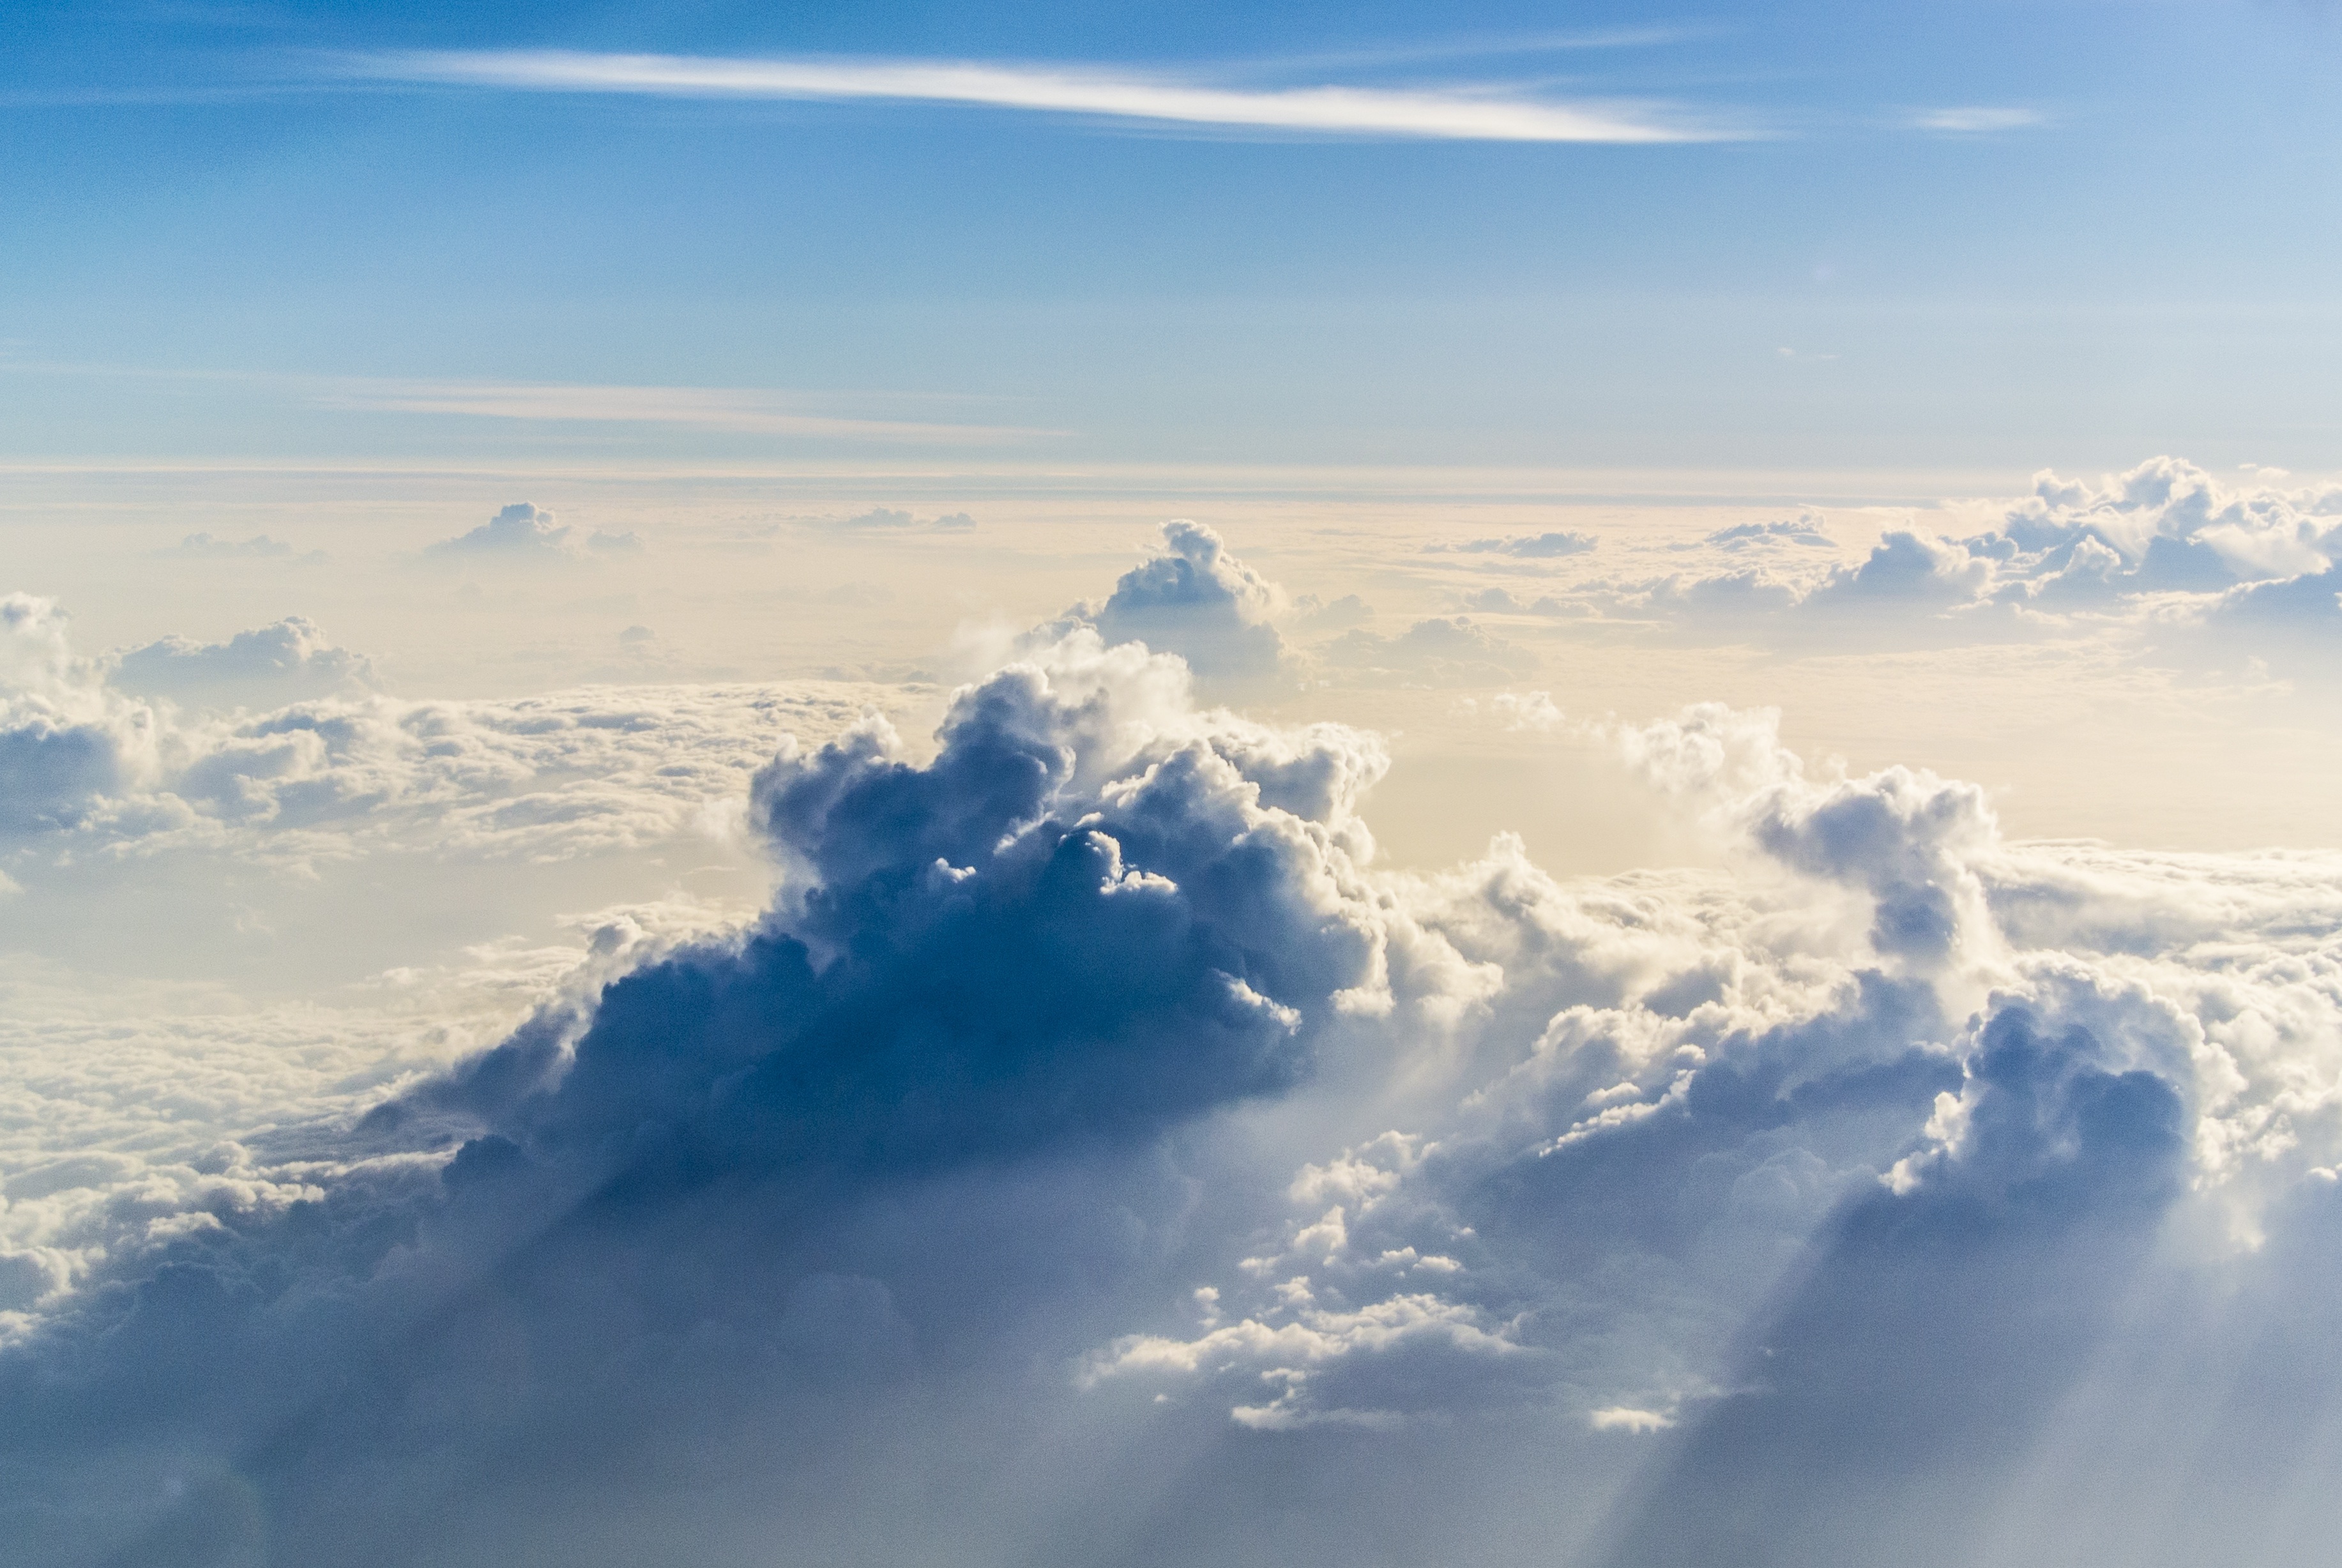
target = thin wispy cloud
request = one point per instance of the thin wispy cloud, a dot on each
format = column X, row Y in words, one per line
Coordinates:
column 742, row 410
column 1973, row 119
column 1491, row 114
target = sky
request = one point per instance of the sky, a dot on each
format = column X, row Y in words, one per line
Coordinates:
column 1962, row 238
column 1289, row 785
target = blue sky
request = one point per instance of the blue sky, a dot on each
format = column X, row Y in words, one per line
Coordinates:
column 2126, row 249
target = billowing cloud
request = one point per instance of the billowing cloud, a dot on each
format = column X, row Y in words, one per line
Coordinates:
column 1196, row 600
column 269, row 665
column 334, row 768
column 1093, row 1147
column 2162, row 549
column 67, row 743
column 519, row 532
column 1906, row 568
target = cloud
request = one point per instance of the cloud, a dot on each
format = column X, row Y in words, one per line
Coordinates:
column 1501, row 601
column 66, row 742
column 1525, row 547
column 882, row 517
column 318, row 766
column 268, row 666
column 1196, row 600
column 740, row 410
column 1092, row 1148
column 1449, row 650
column 2312, row 599
column 1805, row 531
column 1482, row 116
column 260, row 546
column 519, row 533
column 1906, row 568
column 1312, row 615
column 2162, row 548
column 1977, row 119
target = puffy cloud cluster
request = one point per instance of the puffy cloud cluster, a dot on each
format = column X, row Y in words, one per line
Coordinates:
column 2164, row 537
column 1220, row 616
column 66, row 742
column 266, row 666
column 88, row 761
column 521, row 533
column 1093, row 1148
column 1196, row 600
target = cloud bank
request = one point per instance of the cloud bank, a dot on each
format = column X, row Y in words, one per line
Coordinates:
column 2164, row 549
column 1094, row 1148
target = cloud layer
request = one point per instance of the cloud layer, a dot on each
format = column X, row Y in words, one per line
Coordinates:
column 1094, row 1148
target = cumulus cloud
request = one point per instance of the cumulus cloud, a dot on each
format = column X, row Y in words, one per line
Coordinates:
column 314, row 765
column 1196, row 600
column 1092, row 1131
column 521, row 533
column 2162, row 549
column 66, row 742
column 1443, row 650
column 269, row 665
column 1525, row 547
column 1906, row 568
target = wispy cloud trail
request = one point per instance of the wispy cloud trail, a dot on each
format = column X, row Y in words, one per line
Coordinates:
column 1976, row 118
column 1446, row 115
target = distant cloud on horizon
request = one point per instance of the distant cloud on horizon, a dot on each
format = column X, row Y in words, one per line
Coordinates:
column 746, row 411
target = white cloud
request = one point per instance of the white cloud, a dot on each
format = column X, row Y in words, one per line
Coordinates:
column 1978, row 119
column 1089, row 1055
column 1525, row 546
column 1195, row 599
column 269, row 665
column 1627, row 1418
column 90, row 765
column 1483, row 115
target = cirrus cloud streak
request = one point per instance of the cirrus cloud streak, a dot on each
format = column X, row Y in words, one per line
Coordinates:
column 1451, row 114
